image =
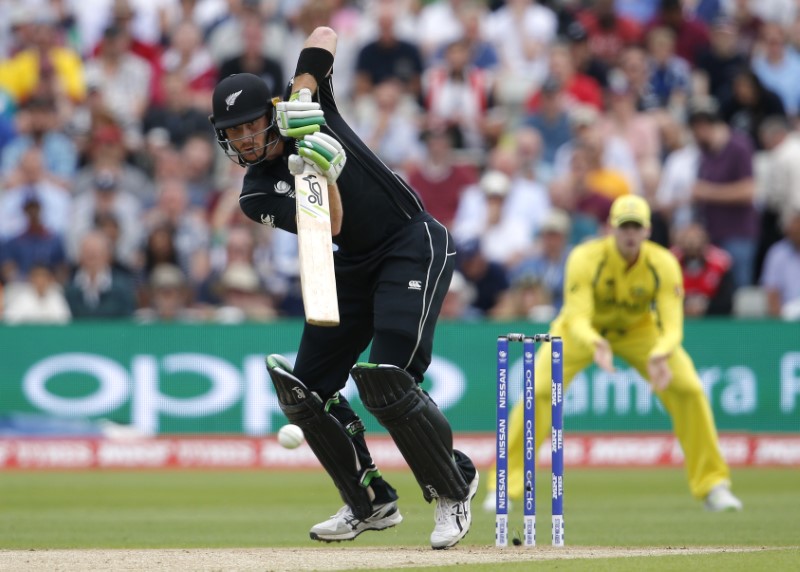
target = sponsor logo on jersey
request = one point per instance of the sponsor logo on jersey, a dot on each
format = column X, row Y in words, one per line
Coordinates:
column 414, row 285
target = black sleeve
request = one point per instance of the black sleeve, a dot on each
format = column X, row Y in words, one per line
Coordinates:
column 722, row 302
column 270, row 201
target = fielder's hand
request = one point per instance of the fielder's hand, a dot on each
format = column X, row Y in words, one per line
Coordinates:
column 299, row 116
column 659, row 373
column 324, row 153
column 603, row 356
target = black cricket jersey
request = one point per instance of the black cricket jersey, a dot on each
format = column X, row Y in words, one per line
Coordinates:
column 376, row 202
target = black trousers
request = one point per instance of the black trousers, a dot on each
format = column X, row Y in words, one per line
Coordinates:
column 392, row 298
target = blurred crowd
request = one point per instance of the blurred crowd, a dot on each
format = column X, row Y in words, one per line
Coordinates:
column 517, row 121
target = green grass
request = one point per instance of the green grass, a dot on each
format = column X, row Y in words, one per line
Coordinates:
column 184, row 509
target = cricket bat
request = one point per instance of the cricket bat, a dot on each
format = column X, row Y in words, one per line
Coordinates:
column 317, row 277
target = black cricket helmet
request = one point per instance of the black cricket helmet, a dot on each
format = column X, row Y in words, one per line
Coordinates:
column 237, row 99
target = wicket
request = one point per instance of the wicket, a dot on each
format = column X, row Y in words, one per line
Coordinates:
column 529, row 447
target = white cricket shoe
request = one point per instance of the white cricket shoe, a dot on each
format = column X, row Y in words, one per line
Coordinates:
column 345, row 526
column 489, row 503
column 721, row 499
column 453, row 519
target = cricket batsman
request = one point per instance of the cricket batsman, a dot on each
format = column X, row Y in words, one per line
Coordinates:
column 623, row 296
column 393, row 265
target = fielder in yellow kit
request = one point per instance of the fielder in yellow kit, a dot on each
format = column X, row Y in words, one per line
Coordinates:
column 623, row 295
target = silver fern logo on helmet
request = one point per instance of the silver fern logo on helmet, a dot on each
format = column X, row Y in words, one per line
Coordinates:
column 231, row 99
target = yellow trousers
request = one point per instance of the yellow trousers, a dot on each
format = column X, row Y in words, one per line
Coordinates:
column 684, row 400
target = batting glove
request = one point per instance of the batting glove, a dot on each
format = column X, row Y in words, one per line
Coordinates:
column 297, row 165
column 299, row 116
column 324, row 153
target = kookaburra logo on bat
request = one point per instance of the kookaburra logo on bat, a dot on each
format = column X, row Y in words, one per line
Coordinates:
column 315, row 188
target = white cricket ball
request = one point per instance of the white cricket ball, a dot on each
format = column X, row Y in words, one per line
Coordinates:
column 290, row 436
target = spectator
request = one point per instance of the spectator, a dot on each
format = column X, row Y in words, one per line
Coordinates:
column 137, row 37
column 551, row 119
column 387, row 124
column 485, row 214
column 169, row 297
column 640, row 11
column 670, row 75
column 637, row 129
column 242, row 298
column 34, row 246
column 617, row 154
column 528, row 148
column 528, row 198
column 608, row 32
column 781, row 276
column 108, row 224
column 197, row 155
column 189, row 57
column 188, row 223
column 33, row 181
column 41, row 67
column 252, row 59
column 440, row 177
column 226, row 38
column 748, row 25
column 237, row 247
column 96, row 291
column 459, row 95
column 37, row 301
column 635, row 65
column 573, row 193
column 104, row 196
column 521, row 30
column 547, row 263
column 591, row 178
column 691, row 35
column 751, row 103
column 583, row 60
column 123, row 79
column 438, row 25
column 483, row 54
column 457, row 303
column 39, row 127
column 707, row 278
column 177, row 115
column 779, row 181
column 719, row 63
column 673, row 197
column 159, row 249
column 778, row 67
column 578, row 89
column 489, row 279
column 106, row 157
column 724, row 190
column 388, row 57
column 526, row 299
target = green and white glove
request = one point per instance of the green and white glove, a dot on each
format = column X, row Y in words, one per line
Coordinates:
column 324, row 153
column 299, row 116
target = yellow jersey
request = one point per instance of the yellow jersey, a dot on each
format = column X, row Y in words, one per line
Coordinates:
column 605, row 296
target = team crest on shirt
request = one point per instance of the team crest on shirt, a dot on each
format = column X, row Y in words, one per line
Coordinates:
column 268, row 220
column 283, row 188
column 638, row 291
